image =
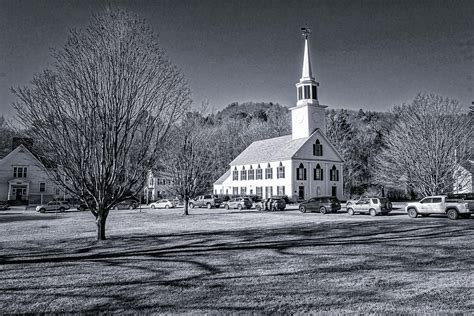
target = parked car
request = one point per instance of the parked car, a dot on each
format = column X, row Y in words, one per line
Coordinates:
column 271, row 204
column 127, row 204
column 323, row 204
column 439, row 205
column 372, row 206
column 208, row 201
column 162, row 204
column 238, row 203
column 3, row 205
column 53, row 206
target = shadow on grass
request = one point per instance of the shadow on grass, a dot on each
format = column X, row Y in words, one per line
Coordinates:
column 257, row 268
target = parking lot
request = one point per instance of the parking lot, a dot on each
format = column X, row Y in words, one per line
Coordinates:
column 218, row 260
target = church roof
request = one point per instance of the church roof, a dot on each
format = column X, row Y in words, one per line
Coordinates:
column 272, row 149
column 223, row 178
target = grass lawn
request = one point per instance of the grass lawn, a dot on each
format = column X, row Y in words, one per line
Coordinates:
column 218, row 261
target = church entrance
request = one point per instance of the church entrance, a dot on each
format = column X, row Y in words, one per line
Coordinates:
column 301, row 192
column 334, row 191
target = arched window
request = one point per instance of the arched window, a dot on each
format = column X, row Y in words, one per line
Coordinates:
column 235, row 174
column 268, row 172
column 258, row 173
column 334, row 174
column 301, row 172
column 318, row 173
column 317, row 148
column 251, row 173
column 243, row 174
column 281, row 171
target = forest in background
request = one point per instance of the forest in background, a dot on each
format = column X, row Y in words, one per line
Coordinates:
column 359, row 136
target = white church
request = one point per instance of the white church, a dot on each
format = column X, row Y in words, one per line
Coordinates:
column 302, row 165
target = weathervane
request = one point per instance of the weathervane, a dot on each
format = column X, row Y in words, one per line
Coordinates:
column 306, row 32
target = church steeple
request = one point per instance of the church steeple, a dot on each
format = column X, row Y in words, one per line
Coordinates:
column 307, row 73
column 307, row 88
column 308, row 114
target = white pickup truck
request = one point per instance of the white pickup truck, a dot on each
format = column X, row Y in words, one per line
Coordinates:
column 440, row 204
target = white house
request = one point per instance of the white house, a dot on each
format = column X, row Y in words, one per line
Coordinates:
column 157, row 187
column 301, row 165
column 23, row 179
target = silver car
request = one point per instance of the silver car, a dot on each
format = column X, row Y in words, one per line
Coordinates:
column 60, row 206
column 372, row 206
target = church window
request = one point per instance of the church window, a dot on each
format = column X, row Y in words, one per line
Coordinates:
column 281, row 171
column 243, row 190
column 235, row 174
column 251, row 173
column 301, row 172
column 268, row 172
column 314, row 94
column 243, row 174
column 235, row 190
column 306, row 92
column 258, row 174
column 334, row 174
column 300, row 93
column 317, row 148
column 281, row 190
column 318, row 173
column 268, row 192
column 258, row 191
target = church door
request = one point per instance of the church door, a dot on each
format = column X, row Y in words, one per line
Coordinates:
column 334, row 191
column 301, row 192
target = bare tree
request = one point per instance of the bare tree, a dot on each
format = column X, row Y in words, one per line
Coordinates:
column 190, row 159
column 105, row 108
column 426, row 143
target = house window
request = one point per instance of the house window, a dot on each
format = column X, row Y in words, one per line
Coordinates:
column 268, row 172
column 281, row 171
column 281, row 190
column 251, row 173
column 301, row 172
column 300, row 93
column 315, row 93
column 318, row 173
column 235, row 174
column 317, row 148
column 42, row 187
column 19, row 172
column 268, row 192
column 235, row 190
column 243, row 174
column 243, row 190
column 306, row 92
column 258, row 175
column 258, row 191
column 334, row 174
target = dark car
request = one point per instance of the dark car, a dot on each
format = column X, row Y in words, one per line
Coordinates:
column 323, row 204
column 127, row 204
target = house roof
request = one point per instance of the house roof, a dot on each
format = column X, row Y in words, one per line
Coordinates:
column 272, row 149
column 275, row 149
column 21, row 148
column 223, row 177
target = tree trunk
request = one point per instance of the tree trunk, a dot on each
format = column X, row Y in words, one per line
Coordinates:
column 186, row 205
column 100, row 221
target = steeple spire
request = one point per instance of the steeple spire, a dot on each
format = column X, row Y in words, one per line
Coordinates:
column 307, row 72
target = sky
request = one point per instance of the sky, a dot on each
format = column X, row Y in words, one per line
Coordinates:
column 365, row 54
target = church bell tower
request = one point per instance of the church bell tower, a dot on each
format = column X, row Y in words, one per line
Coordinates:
column 308, row 115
